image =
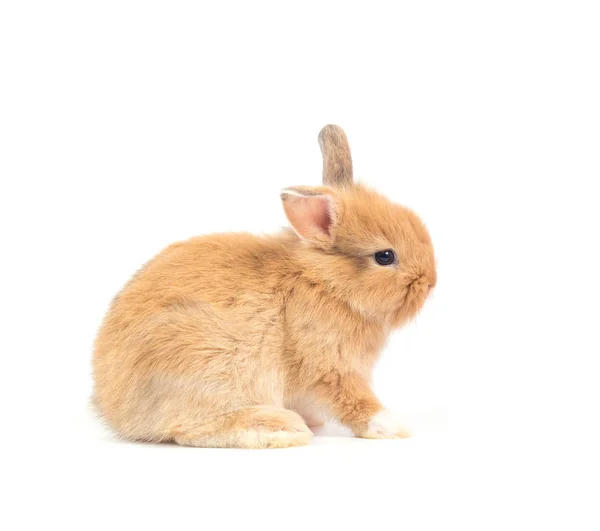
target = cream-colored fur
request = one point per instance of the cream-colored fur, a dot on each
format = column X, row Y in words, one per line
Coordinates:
column 385, row 425
column 219, row 338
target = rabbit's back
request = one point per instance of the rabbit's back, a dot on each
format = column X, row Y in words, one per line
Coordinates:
column 205, row 316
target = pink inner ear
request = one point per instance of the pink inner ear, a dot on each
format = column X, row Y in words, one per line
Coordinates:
column 310, row 216
column 320, row 214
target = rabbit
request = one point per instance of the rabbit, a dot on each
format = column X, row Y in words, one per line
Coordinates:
column 244, row 341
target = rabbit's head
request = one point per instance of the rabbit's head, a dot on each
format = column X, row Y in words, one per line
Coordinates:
column 371, row 253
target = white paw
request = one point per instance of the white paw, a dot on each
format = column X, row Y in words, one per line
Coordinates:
column 385, row 425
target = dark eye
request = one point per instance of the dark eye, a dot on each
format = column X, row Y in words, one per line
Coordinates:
column 385, row 258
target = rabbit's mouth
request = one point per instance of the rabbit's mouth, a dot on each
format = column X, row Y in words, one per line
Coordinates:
column 414, row 296
column 416, row 293
column 418, row 283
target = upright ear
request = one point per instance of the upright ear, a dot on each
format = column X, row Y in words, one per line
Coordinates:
column 337, row 162
column 312, row 212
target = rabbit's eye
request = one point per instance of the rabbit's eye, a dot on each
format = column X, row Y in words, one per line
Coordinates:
column 385, row 258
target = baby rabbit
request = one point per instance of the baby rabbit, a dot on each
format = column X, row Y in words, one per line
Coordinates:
column 236, row 340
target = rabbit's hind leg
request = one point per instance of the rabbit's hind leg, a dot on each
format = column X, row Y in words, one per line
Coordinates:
column 250, row 427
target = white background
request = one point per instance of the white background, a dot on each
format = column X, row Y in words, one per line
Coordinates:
column 125, row 126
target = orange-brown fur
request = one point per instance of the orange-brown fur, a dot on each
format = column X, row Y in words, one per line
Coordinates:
column 218, row 340
column 337, row 161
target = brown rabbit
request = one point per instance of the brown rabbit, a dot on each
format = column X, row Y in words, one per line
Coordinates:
column 235, row 340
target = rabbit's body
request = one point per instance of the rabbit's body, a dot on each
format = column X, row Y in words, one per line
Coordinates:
column 240, row 340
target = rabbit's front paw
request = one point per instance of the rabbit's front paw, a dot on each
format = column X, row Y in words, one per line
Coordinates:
column 385, row 425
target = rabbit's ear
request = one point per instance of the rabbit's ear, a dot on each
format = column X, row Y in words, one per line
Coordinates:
column 337, row 162
column 312, row 213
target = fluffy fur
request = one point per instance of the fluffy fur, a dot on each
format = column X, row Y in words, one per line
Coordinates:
column 236, row 340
